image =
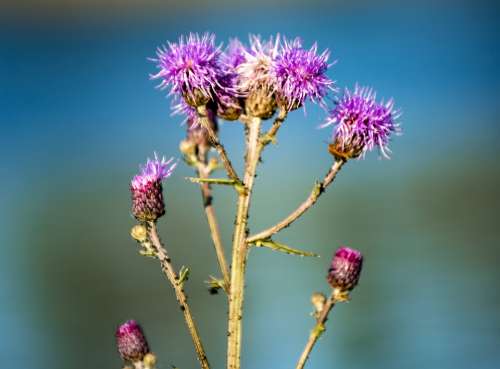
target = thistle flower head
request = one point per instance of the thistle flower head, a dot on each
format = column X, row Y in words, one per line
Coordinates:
column 191, row 68
column 255, row 71
column 345, row 269
column 130, row 340
column 147, row 191
column 361, row 123
column 301, row 74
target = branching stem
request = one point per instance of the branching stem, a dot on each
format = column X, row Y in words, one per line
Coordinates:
column 319, row 328
column 318, row 189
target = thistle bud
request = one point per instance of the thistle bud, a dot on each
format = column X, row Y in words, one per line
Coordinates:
column 147, row 190
column 139, row 233
column 345, row 269
column 149, row 360
column 130, row 340
column 318, row 301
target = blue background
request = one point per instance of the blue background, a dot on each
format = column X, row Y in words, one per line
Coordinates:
column 78, row 114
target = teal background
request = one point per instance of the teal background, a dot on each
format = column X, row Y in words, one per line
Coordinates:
column 78, row 114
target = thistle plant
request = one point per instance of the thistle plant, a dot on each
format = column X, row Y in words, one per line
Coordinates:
column 262, row 81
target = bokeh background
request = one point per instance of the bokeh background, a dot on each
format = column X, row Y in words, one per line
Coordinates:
column 78, row 114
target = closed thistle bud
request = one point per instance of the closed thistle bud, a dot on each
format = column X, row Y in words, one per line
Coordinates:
column 147, row 191
column 345, row 269
column 130, row 340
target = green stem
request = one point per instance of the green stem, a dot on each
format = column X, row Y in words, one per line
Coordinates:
column 240, row 247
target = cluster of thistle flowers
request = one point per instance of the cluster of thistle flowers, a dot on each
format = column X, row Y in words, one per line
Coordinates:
column 266, row 75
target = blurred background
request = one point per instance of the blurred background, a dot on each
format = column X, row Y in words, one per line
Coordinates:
column 79, row 114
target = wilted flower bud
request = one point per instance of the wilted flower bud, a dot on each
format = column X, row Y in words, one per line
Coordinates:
column 345, row 269
column 147, row 190
column 256, row 79
column 130, row 340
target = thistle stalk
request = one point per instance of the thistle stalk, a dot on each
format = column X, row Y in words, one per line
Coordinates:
column 240, row 247
column 176, row 282
column 206, row 193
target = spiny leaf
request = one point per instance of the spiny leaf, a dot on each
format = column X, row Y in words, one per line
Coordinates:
column 283, row 248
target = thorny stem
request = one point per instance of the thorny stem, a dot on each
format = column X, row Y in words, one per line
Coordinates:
column 319, row 328
column 206, row 193
column 318, row 189
column 202, row 113
column 240, row 247
column 168, row 270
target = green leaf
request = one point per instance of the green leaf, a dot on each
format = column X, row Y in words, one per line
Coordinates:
column 183, row 275
column 283, row 248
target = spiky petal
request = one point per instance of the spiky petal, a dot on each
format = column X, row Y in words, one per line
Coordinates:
column 301, row 75
column 147, row 190
column 130, row 340
column 190, row 68
column 345, row 269
column 362, row 124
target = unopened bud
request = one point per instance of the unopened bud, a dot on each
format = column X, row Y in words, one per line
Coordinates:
column 318, row 301
column 345, row 269
column 147, row 190
column 130, row 340
column 149, row 360
column 187, row 147
column 139, row 233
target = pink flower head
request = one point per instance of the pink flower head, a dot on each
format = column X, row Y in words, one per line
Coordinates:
column 147, row 190
column 345, row 268
column 130, row 340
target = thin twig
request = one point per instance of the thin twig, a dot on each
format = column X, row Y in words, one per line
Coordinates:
column 319, row 328
column 206, row 193
column 168, row 270
column 318, row 189
column 270, row 136
column 204, row 118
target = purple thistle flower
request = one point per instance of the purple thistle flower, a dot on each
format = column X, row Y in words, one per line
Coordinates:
column 191, row 68
column 130, row 340
column 255, row 71
column 147, row 190
column 345, row 269
column 361, row 123
column 301, row 75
